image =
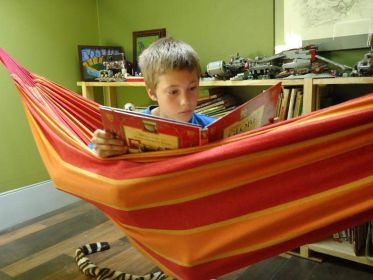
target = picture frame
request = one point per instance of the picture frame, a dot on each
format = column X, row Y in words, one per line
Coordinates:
column 142, row 39
column 330, row 27
column 91, row 59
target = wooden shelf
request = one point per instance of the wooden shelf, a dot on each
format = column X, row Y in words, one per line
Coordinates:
column 296, row 82
column 308, row 87
column 218, row 83
column 110, row 96
column 245, row 83
column 343, row 81
column 342, row 250
column 111, row 84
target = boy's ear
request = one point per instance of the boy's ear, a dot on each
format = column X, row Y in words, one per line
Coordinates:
column 151, row 94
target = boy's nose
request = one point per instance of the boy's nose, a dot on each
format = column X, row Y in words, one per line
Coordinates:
column 185, row 99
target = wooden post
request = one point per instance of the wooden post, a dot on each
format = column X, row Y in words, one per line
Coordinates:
column 110, row 97
column 87, row 91
column 307, row 96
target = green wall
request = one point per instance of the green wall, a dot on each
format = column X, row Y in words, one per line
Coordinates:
column 217, row 29
column 41, row 35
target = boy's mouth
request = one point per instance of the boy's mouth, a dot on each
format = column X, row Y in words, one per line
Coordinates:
column 186, row 112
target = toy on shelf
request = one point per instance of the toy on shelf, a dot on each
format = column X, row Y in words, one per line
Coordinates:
column 115, row 68
column 364, row 67
column 224, row 71
column 289, row 64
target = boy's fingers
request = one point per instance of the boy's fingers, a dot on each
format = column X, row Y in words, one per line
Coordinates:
column 105, row 144
column 99, row 133
column 104, row 137
column 111, row 152
column 110, row 148
column 107, row 141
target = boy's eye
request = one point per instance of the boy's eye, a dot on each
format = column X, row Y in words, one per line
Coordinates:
column 173, row 92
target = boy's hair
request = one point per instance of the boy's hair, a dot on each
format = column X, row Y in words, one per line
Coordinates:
column 167, row 54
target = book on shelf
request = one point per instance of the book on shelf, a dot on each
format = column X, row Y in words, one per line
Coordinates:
column 143, row 132
column 217, row 105
column 284, row 104
column 360, row 237
column 205, row 99
column 298, row 103
column 293, row 94
column 291, row 103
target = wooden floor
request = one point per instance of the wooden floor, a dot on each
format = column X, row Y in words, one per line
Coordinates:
column 44, row 248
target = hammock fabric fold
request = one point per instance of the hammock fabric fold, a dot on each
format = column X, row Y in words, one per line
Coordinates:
column 201, row 212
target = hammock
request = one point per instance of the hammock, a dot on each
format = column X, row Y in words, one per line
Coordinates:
column 202, row 212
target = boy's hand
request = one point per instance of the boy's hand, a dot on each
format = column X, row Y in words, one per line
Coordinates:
column 106, row 144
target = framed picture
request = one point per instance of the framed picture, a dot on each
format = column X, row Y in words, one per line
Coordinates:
column 91, row 60
column 327, row 24
column 142, row 39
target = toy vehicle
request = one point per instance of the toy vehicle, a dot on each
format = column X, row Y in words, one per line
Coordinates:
column 221, row 70
column 364, row 67
column 115, row 70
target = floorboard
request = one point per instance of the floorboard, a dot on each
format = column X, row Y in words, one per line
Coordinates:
column 44, row 248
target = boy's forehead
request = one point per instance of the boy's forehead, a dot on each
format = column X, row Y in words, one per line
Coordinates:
column 178, row 76
column 179, row 72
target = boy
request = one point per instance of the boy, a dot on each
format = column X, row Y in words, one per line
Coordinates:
column 171, row 72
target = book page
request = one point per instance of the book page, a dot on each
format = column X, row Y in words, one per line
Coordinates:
column 140, row 140
column 142, row 132
column 251, row 121
column 255, row 113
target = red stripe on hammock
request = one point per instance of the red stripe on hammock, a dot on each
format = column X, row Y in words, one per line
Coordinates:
column 225, row 265
column 270, row 192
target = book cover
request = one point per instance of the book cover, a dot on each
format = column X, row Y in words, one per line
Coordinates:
column 298, row 103
column 255, row 113
column 142, row 132
column 291, row 103
column 284, row 104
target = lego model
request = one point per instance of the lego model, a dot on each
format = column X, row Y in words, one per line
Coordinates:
column 289, row 64
column 221, row 70
column 264, row 67
column 305, row 61
column 364, row 67
column 115, row 68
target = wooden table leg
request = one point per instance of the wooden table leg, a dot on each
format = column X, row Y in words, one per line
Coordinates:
column 88, row 92
column 110, row 97
column 307, row 96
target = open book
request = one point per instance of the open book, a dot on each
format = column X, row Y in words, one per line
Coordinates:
column 143, row 132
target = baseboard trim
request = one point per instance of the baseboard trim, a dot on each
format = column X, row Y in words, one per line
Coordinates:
column 26, row 203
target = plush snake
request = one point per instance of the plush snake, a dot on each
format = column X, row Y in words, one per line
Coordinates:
column 90, row 269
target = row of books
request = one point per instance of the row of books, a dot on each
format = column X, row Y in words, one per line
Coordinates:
column 290, row 103
column 216, row 105
column 360, row 237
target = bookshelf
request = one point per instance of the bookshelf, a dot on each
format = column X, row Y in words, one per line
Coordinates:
column 110, row 93
column 334, row 248
column 310, row 87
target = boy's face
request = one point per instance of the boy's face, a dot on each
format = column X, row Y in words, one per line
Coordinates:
column 176, row 93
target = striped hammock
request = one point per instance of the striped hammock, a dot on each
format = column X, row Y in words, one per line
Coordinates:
column 201, row 212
